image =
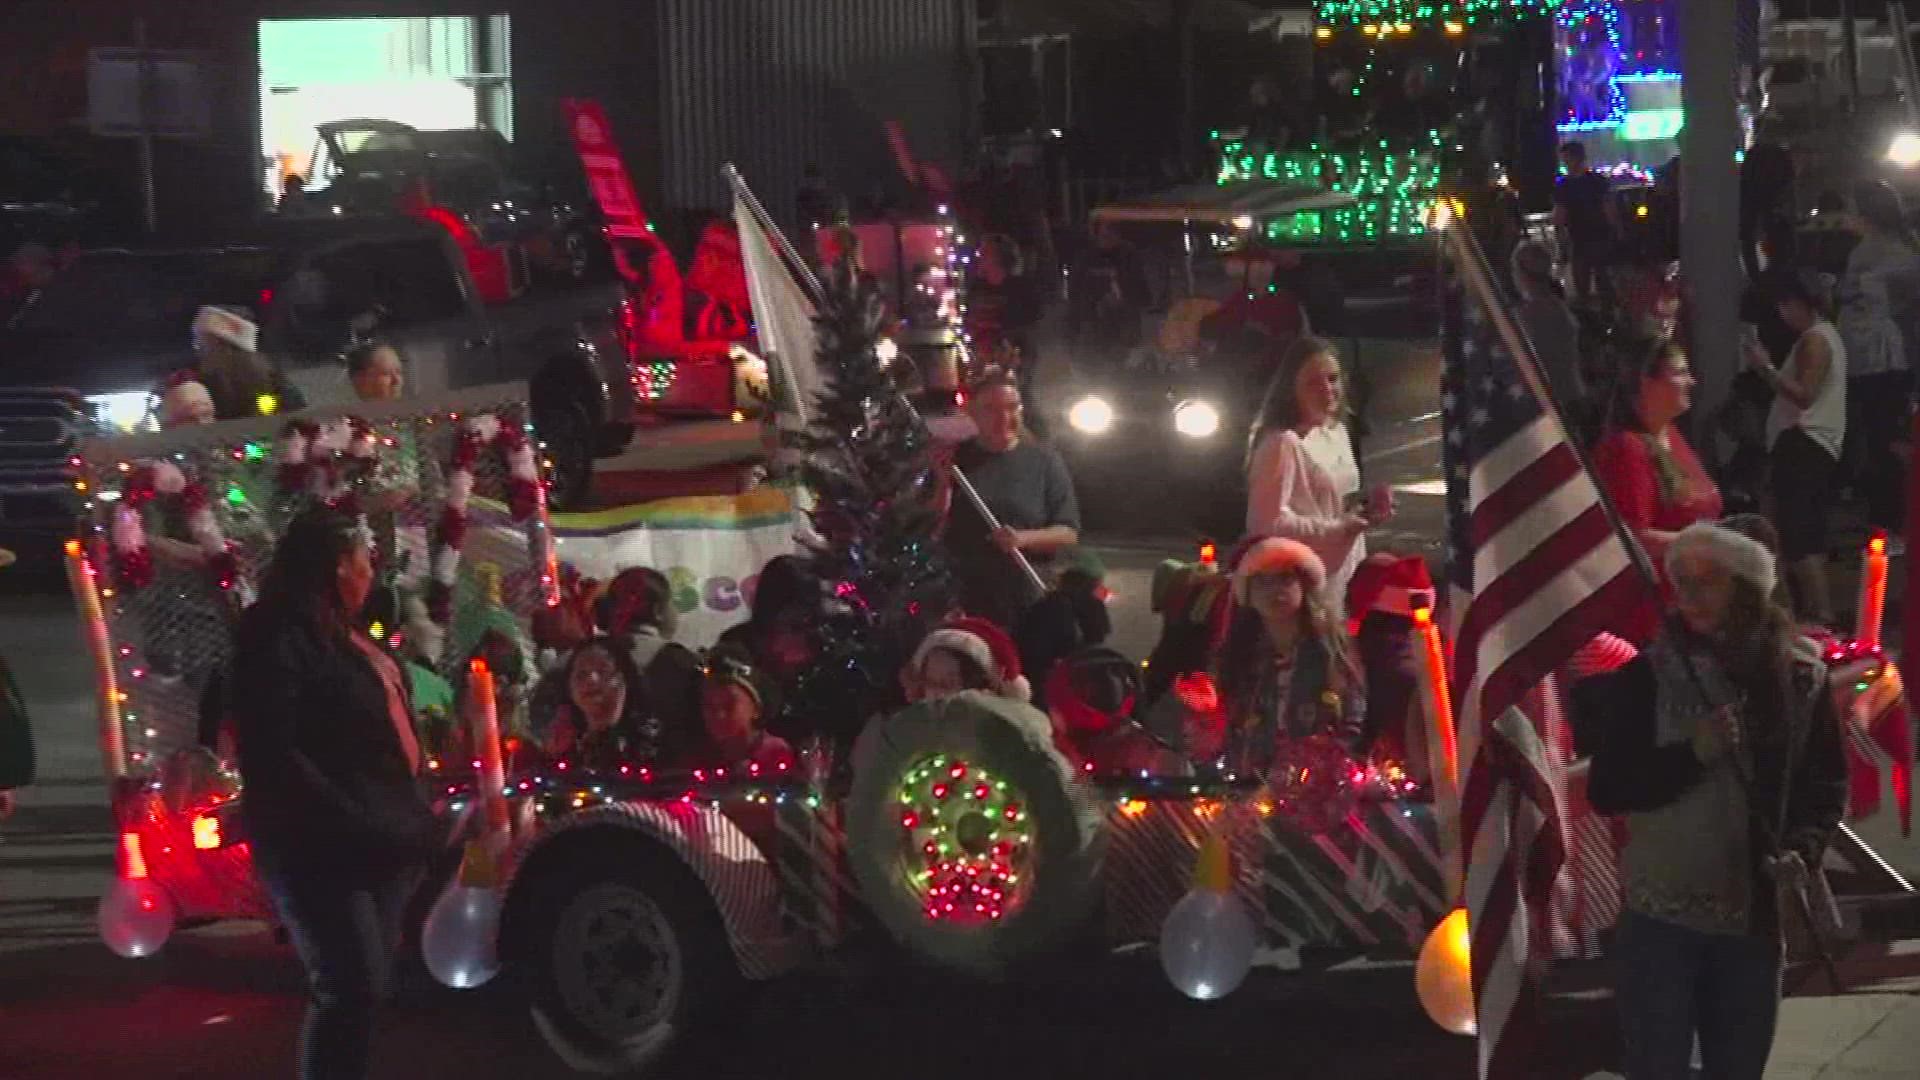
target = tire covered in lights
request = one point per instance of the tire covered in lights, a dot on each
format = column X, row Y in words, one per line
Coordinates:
column 979, row 774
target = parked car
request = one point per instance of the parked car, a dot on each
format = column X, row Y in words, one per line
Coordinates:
column 88, row 349
column 369, row 166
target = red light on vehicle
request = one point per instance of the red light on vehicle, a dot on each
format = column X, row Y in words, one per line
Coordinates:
column 133, row 861
column 206, row 832
column 266, row 299
column 1209, row 554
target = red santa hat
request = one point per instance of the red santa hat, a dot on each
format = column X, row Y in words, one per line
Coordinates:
column 216, row 323
column 986, row 645
column 1273, row 555
column 1392, row 584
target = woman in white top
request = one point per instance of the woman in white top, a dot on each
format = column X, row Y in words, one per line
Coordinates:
column 1874, row 294
column 1805, row 430
column 1302, row 481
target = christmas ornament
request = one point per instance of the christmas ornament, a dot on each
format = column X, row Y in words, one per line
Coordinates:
column 1207, row 942
column 1443, row 977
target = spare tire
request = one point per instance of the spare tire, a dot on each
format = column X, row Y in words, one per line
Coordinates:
column 971, row 839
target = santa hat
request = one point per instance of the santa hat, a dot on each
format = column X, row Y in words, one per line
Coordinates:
column 1274, row 555
column 985, row 644
column 215, row 323
column 1392, row 584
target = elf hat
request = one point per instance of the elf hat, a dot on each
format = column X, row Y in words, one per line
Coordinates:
column 988, row 646
column 215, row 323
column 1276, row 555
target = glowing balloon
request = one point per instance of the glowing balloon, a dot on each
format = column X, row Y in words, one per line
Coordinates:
column 460, row 941
column 1444, row 975
column 136, row 917
column 1206, row 944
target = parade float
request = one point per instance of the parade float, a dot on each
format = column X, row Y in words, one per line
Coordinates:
column 626, row 896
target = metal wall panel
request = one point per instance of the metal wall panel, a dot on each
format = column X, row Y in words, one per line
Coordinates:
column 777, row 85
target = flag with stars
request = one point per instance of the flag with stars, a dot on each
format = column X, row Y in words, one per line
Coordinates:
column 1534, row 567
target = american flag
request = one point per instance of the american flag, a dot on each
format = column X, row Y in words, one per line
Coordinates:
column 1534, row 565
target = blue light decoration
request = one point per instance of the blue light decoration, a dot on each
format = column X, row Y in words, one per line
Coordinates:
column 1588, row 74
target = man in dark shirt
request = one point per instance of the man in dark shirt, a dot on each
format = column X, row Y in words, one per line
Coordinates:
column 1026, row 486
column 1588, row 223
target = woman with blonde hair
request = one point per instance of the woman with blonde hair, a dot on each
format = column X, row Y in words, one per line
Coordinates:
column 1302, row 480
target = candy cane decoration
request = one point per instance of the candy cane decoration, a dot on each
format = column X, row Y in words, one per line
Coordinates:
column 325, row 460
column 526, row 503
column 133, row 556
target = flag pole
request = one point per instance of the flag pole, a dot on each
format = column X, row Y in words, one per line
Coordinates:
column 1471, row 261
column 818, row 294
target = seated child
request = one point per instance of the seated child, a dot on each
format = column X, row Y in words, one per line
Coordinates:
column 1089, row 697
column 965, row 654
column 605, row 721
column 735, row 700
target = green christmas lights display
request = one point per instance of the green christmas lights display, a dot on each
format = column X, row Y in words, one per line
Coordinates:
column 966, row 839
column 1393, row 189
column 1329, row 14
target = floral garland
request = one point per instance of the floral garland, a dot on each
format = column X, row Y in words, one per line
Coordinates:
column 526, row 502
column 325, row 460
column 133, row 557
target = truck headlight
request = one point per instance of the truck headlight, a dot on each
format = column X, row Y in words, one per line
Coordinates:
column 1091, row 414
column 126, row 411
column 1196, row 419
column 1904, row 150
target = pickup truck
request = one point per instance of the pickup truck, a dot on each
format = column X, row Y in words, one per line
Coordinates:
column 88, row 348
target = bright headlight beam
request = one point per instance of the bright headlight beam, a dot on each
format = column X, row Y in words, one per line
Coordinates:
column 1196, row 419
column 1904, row 151
column 1091, row 414
column 128, row 410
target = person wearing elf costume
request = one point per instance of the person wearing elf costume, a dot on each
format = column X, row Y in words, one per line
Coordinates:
column 735, row 701
column 1285, row 670
column 242, row 383
column 965, row 654
column 1302, row 481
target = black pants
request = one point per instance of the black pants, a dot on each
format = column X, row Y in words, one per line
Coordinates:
column 1877, row 418
column 1800, row 472
column 347, row 933
column 1675, row 983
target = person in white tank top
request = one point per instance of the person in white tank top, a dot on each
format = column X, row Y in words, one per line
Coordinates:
column 1805, row 430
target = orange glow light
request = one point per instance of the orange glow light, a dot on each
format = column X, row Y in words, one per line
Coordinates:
column 1133, row 807
column 133, row 861
column 206, row 832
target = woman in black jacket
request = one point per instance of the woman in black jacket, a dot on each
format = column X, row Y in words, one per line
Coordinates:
column 1721, row 745
column 338, row 827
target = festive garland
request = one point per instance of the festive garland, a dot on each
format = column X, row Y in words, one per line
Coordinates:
column 325, row 460
column 133, row 557
column 526, row 502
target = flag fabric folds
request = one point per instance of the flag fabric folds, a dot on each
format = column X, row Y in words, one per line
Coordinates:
column 783, row 323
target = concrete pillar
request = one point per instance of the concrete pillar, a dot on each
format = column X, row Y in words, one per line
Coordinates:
column 1709, row 220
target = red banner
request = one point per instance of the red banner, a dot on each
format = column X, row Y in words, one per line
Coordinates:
column 606, row 173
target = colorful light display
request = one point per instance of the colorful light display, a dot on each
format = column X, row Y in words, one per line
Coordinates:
column 1408, row 13
column 968, row 838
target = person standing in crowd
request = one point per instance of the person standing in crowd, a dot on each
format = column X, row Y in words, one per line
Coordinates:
column 1302, row 480
column 1766, row 199
column 1285, row 671
column 1003, row 306
column 338, row 827
column 1107, row 297
column 242, row 382
column 1025, row 485
column 1721, row 744
column 1551, row 328
column 1805, row 429
column 16, row 736
column 1878, row 285
column 377, row 374
column 1587, row 223
column 294, row 201
column 1648, row 470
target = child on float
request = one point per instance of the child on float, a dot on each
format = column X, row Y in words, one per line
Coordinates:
column 637, row 610
column 966, row 653
column 1090, row 698
column 1285, row 670
column 604, row 721
column 735, row 700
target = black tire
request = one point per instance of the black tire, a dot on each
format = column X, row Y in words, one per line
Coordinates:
column 1011, row 742
column 622, row 951
column 563, row 425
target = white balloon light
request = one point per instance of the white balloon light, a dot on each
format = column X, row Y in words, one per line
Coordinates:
column 135, row 917
column 460, row 940
column 1207, row 941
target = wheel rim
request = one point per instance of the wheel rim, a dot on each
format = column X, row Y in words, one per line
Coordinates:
column 617, row 962
column 967, row 846
column 565, row 436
